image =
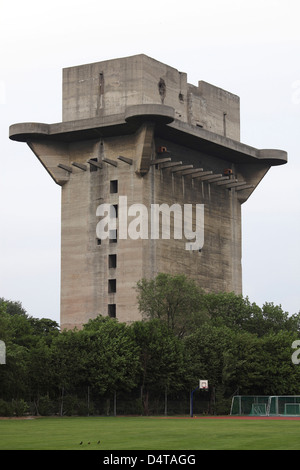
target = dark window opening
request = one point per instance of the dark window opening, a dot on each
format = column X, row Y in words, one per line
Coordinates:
column 113, row 236
column 112, row 261
column 114, row 211
column 98, row 241
column 112, row 310
column 113, row 186
column 93, row 167
column 112, row 286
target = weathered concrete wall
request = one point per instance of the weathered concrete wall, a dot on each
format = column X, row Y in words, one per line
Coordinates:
column 218, row 266
column 85, row 263
column 136, row 108
column 109, row 87
column 85, row 270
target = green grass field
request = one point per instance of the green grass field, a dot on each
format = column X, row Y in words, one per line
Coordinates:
column 138, row 433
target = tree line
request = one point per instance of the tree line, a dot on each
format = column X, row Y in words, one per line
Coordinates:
column 149, row 366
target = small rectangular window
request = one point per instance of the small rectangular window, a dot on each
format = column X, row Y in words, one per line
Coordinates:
column 112, row 286
column 98, row 241
column 113, row 186
column 114, row 211
column 112, row 310
column 93, row 167
column 112, row 261
column 113, row 236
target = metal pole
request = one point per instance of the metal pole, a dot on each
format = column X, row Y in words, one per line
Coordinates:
column 115, row 403
column 166, row 401
column 192, row 400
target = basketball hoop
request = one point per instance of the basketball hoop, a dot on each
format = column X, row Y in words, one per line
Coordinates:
column 203, row 385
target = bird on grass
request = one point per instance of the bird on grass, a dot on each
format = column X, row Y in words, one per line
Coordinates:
column 81, row 443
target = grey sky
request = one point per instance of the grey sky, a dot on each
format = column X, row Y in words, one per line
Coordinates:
column 250, row 48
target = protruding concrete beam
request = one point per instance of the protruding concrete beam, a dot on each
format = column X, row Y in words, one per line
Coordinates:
column 202, row 174
column 110, row 162
column 80, row 166
column 95, row 163
column 184, row 167
column 170, row 165
column 65, row 167
column 224, row 183
column 191, row 172
column 248, row 186
column 211, row 177
column 125, row 159
column 236, row 184
column 157, row 161
column 219, row 178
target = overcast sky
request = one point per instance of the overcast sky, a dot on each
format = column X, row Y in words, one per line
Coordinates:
column 250, row 48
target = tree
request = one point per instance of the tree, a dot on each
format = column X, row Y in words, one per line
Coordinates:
column 275, row 319
column 174, row 300
column 278, row 374
column 41, row 381
column 68, row 362
column 204, row 352
column 13, row 307
column 238, row 313
column 44, row 326
column 5, row 333
column 160, row 357
column 112, row 355
column 13, row 375
column 231, row 310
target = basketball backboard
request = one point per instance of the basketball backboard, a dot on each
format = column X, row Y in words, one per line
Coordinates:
column 203, row 384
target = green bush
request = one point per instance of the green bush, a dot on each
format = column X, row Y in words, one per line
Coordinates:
column 46, row 406
column 20, row 407
column 6, row 408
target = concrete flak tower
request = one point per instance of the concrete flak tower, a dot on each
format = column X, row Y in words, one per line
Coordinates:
column 136, row 135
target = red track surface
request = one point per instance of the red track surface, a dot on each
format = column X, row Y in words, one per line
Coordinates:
column 284, row 418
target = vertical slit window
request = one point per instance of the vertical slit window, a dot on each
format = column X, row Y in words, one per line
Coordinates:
column 93, row 167
column 112, row 286
column 113, row 236
column 112, row 261
column 112, row 310
column 113, row 186
column 114, row 211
